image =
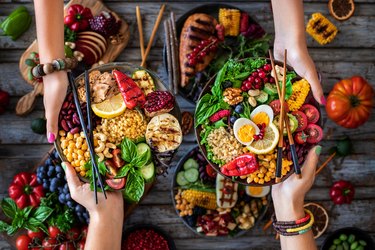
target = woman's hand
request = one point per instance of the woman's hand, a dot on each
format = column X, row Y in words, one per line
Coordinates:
column 55, row 87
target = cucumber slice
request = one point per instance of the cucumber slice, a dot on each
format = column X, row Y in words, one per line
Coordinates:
column 270, row 89
column 191, row 175
column 191, row 163
column 181, row 180
column 142, row 148
column 148, row 172
column 262, row 97
column 293, row 123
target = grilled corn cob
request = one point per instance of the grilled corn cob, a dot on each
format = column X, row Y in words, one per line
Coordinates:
column 200, row 198
column 230, row 19
column 321, row 29
column 300, row 90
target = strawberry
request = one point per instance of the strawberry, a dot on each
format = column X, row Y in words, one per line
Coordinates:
column 219, row 114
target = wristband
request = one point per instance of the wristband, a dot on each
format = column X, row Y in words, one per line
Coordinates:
column 41, row 70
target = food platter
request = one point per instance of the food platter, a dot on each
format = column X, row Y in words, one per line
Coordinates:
column 242, row 100
column 225, row 48
column 127, row 132
column 212, row 206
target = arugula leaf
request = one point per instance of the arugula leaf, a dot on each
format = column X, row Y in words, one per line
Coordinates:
column 9, row 207
column 134, row 187
column 124, row 170
column 128, row 150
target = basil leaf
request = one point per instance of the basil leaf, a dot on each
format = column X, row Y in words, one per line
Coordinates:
column 11, row 230
column 9, row 207
column 42, row 213
column 31, row 227
column 141, row 160
column 216, row 89
column 124, row 171
column 27, row 211
column 134, row 187
column 128, row 150
column 3, row 226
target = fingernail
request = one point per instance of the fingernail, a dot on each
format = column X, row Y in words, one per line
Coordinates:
column 63, row 165
column 51, row 137
column 323, row 100
column 318, row 150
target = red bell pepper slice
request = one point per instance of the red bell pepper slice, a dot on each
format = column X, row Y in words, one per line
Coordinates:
column 242, row 165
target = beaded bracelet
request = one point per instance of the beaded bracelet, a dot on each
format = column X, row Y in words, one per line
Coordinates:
column 290, row 228
column 56, row 65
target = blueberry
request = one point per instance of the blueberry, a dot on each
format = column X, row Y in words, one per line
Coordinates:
column 40, row 180
column 67, row 197
column 56, row 155
column 44, row 168
column 62, row 198
column 70, row 204
column 191, row 220
column 233, row 119
column 50, row 173
column 58, row 169
column 227, row 84
column 60, row 176
column 79, row 209
column 48, row 161
column 45, row 185
column 85, row 215
column 60, row 189
column 51, row 168
column 239, row 109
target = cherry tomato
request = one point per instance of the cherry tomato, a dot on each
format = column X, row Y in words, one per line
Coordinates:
column 276, row 106
column 49, row 243
column 53, row 231
column 84, row 231
column 211, row 171
column 67, row 246
column 302, row 120
column 311, row 113
column 116, row 183
column 73, row 233
column 22, row 242
column 40, row 235
column 314, row 132
column 300, row 137
column 81, row 244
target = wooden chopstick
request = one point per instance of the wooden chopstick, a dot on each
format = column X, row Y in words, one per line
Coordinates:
column 281, row 124
column 324, row 164
column 169, row 55
column 140, row 31
column 154, row 30
column 84, row 129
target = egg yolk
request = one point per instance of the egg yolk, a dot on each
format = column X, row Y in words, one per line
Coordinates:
column 255, row 190
column 260, row 118
column 246, row 133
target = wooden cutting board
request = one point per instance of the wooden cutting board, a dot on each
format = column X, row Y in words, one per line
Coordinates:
column 128, row 208
column 96, row 7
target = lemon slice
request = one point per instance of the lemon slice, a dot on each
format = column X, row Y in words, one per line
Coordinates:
column 268, row 143
column 110, row 108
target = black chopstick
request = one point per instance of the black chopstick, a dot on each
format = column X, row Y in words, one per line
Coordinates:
column 84, row 129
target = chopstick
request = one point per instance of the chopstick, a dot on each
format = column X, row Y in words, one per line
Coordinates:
column 154, row 30
column 297, row 168
column 281, row 122
column 84, row 129
column 140, row 31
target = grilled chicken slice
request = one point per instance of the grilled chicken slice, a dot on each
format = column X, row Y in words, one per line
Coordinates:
column 198, row 27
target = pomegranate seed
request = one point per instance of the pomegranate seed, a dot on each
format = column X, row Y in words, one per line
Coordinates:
column 255, row 74
column 203, row 54
column 195, row 50
column 258, row 80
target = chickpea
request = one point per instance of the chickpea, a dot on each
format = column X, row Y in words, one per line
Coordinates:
column 267, row 178
column 261, row 181
column 77, row 168
column 82, row 173
column 62, row 133
column 69, row 136
column 263, row 170
column 256, row 179
column 260, row 175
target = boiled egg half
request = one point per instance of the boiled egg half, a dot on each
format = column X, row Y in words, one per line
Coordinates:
column 262, row 114
column 244, row 130
column 257, row 192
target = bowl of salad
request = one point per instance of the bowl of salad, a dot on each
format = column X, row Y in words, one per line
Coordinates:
column 211, row 205
column 136, row 128
column 237, row 117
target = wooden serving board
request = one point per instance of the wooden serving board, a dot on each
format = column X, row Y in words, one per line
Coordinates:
column 96, row 7
column 128, row 208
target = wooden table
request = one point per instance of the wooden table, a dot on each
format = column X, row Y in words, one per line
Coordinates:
column 351, row 53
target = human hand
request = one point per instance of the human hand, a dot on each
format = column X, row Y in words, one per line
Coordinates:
column 108, row 209
column 55, row 88
column 288, row 196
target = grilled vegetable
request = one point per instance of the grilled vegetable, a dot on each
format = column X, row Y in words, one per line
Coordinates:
column 143, row 79
column 226, row 192
column 131, row 93
column 321, row 29
column 230, row 19
column 200, row 198
column 300, row 90
column 242, row 165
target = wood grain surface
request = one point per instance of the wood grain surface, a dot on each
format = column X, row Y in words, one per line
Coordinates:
column 351, row 53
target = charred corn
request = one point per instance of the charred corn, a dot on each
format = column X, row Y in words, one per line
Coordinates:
column 200, row 198
column 321, row 29
column 230, row 19
column 300, row 89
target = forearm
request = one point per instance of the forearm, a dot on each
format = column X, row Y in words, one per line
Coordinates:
column 49, row 15
column 290, row 211
column 104, row 232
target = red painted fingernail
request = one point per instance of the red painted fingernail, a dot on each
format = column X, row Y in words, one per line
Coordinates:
column 323, row 100
column 51, row 137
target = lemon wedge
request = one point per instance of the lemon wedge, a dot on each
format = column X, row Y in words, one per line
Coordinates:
column 110, row 108
column 268, row 143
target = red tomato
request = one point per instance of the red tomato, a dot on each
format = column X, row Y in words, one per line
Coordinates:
column 81, row 244
column 40, row 235
column 311, row 113
column 350, row 102
column 67, row 246
column 276, row 106
column 116, row 183
column 314, row 132
column 84, row 231
column 211, row 171
column 300, row 137
column 302, row 120
column 53, row 231
column 22, row 242
column 73, row 233
column 49, row 243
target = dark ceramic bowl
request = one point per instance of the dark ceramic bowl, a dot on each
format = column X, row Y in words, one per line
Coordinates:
column 158, row 230
column 358, row 233
column 174, row 190
column 309, row 99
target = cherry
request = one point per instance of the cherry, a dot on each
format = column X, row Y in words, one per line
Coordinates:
column 262, row 74
column 271, row 80
column 258, row 80
column 248, row 85
column 255, row 74
column 267, row 67
column 243, row 88
column 251, row 79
